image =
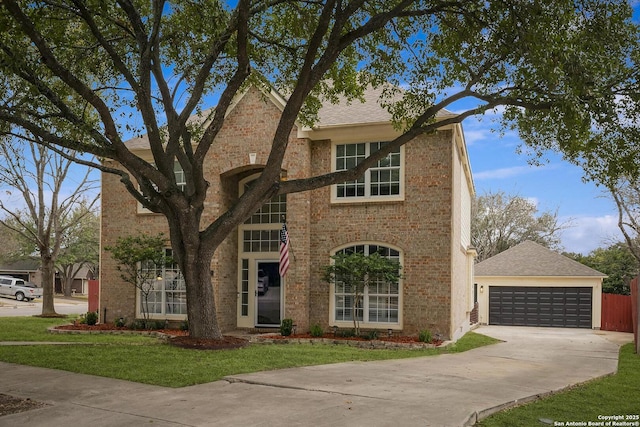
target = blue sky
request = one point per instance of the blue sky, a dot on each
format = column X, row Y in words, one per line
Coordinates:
column 590, row 215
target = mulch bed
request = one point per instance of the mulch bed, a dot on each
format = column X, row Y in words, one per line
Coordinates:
column 182, row 339
column 13, row 405
column 393, row 338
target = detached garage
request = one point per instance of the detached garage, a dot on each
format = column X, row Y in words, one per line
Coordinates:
column 530, row 285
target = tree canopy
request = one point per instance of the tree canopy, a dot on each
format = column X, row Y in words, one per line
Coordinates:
column 626, row 195
column 500, row 221
column 88, row 75
column 617, row 262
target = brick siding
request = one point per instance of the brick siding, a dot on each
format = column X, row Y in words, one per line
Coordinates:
column 420, row 226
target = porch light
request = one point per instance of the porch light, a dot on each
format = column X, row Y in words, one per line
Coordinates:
column 481, row 288
column 159, row 278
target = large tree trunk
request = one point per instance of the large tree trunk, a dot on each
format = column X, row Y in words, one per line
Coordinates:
column 48, row 278
column 194, row 259
column 201, row 307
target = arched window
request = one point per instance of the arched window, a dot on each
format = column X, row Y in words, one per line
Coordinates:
column 380, row 305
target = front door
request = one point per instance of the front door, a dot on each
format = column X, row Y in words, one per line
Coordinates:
column 269, row 294
column 260, row 289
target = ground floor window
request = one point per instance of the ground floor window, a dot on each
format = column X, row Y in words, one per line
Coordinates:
column 380, row 303
column 164, row 293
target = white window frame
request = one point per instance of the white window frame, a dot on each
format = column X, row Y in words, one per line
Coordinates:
column 365, row 323
column 367, row 197
column 181, row 182
column 162, row 278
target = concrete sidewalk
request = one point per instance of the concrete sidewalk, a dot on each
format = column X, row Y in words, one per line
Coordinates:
column 447, row 390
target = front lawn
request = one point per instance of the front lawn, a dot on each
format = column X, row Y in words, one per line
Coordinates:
column 616, row 395
column 147, row 360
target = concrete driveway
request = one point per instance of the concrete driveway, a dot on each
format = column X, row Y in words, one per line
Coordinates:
column 447, row 390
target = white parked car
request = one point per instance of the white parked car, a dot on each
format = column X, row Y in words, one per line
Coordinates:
column 18, row 288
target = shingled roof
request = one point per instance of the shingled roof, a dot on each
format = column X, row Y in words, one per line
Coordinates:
column 533, row 260
column 366, row 111
column 343, row 113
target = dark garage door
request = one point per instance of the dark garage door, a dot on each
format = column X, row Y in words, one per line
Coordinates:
column 540, row 306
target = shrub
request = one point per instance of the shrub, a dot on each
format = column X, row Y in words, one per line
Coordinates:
column 184, row 326
column 346, row 333
column 119, row 323
column 158, row 324
column 316, row 331
column 371, row 335
column 425, row 336
column 138, row 324
column 286, row 327
column 91, row 318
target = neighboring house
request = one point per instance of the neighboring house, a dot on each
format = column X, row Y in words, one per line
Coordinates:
column 530, row 285
column 80, row 283
column 27, row 270
column 413, row 207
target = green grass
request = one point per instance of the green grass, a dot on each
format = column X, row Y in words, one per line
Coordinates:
column 35, row 329
column 612, row 395
column 147, row 360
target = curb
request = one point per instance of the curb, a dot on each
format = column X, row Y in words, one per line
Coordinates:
column 477, row 416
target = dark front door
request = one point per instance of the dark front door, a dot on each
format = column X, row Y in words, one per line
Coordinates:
column 540, row 306
column 269, row 293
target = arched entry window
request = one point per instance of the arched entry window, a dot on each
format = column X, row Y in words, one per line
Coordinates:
column 381, row 305
column 260, row 287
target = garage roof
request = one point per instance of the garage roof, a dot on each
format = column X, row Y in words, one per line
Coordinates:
column 532, row 259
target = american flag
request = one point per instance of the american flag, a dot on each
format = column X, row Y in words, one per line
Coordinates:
column 284, row 250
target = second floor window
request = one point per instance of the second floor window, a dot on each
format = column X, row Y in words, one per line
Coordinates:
column 181, row 180
column 381, row 181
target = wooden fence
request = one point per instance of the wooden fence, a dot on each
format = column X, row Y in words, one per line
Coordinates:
column 635, row 307
column 94, row 295
column 616, row 313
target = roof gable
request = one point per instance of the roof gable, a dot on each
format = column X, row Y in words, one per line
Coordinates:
column 532, row 259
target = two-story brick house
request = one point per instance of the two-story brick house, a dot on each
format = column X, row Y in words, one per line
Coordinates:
column 414, row 207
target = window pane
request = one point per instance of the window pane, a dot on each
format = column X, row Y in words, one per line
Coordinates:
column 381, row 298
column 383, row 179
column 271, row 212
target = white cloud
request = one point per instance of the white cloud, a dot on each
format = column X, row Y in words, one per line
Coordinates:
column 503, row 173
column 475, row 135
column 590, row 232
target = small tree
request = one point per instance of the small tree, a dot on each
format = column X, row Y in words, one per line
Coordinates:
column 139, row 259
column 356, row 271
